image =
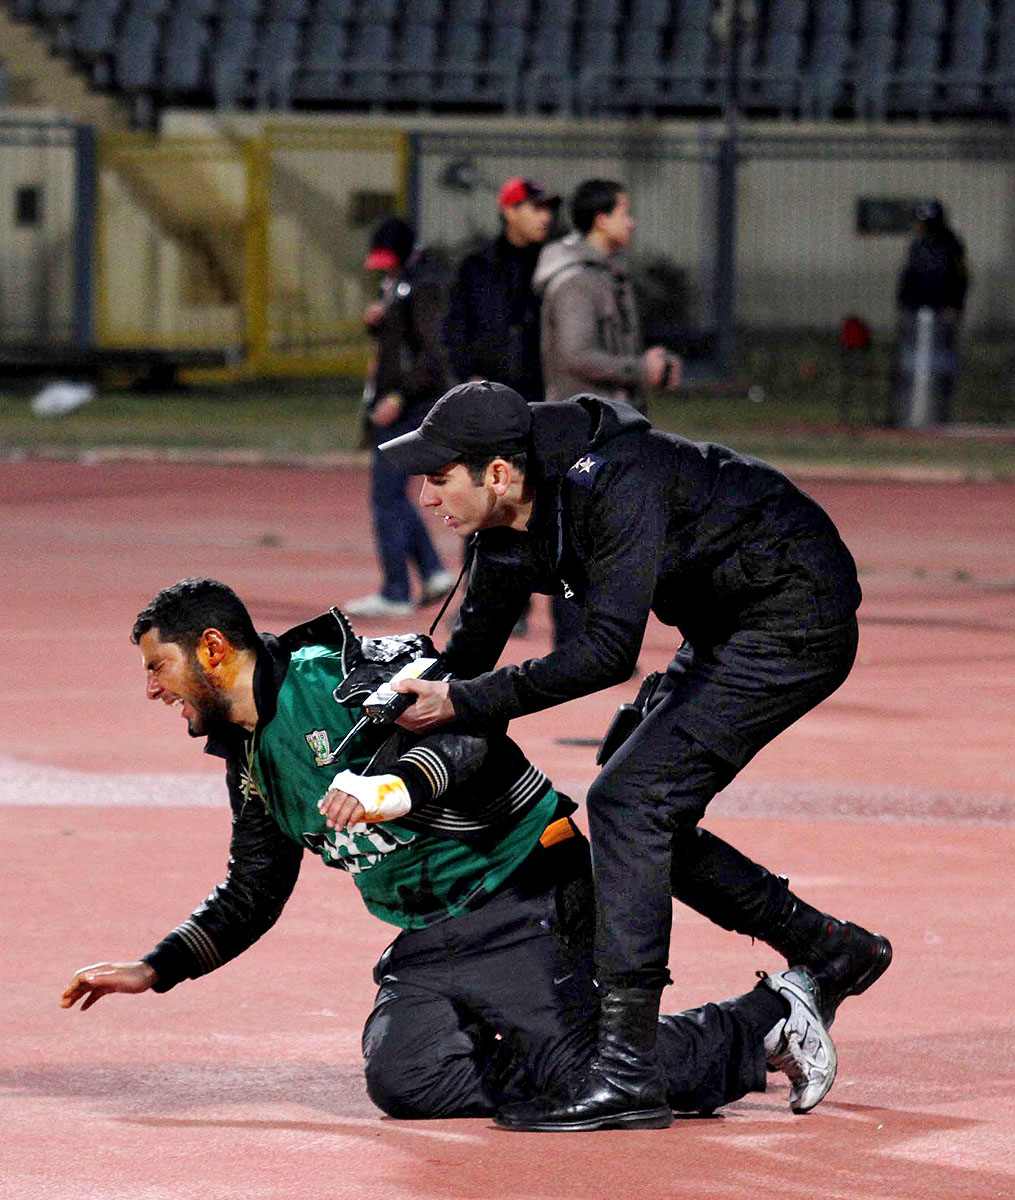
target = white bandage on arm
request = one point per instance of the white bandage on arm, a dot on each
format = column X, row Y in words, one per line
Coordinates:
column 384, row 797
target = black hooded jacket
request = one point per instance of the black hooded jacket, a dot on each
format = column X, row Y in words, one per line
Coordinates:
column 629, row 520
column 934, row 274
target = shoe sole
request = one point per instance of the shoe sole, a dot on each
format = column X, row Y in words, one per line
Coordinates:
column 801, row 1111
column 880, row 963
column 657, row 1118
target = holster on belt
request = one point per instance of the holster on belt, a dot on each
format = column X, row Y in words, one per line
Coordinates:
column 627, row 718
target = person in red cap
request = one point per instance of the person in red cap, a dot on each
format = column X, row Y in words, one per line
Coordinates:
column 409, row 374
column 492, row 327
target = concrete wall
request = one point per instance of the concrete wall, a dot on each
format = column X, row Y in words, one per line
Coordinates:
column 36, row 260
column 173, row 256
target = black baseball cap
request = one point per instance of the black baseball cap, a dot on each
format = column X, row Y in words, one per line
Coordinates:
column 479, row 417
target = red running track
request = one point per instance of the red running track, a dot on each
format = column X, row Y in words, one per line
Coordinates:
column 892, row 803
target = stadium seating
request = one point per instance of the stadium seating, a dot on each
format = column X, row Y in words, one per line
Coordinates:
column 185, row 64
column 692, row 49
column 822, row 81
column 1002, row 77
column 841, row 59
column 874, row 57
column 779, row 77
column 920, row 56
column 968, row 59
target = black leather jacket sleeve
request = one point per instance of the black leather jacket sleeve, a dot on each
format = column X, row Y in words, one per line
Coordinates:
column 263, row 867
column 442, row 764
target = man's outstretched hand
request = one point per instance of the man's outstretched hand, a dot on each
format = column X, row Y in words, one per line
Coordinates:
column 95, row 982
column 431, row 706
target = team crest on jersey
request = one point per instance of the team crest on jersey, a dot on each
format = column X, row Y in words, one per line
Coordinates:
column 584, row 470
column 317, row 740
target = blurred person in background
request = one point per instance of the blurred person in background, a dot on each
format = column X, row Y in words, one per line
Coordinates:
column 492, row 327
column 934, row 279
column 409, row 373
column 591, row 333
column 934, row 274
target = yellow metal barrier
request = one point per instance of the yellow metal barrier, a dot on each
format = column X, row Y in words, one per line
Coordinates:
column 252, row 246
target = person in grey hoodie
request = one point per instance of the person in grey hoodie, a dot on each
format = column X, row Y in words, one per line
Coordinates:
column 591, row 335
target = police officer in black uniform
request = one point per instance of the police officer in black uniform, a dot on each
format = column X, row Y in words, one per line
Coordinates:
column 586, row 498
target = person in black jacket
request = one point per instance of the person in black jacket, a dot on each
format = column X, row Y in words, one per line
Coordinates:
column 584, row 497
column 487, row 993
column 409, row 374
column 934, row 279
column 934, row 274
column 492, row 325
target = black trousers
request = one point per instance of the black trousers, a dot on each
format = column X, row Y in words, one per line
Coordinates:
column 498, row 1005
column 718, row 708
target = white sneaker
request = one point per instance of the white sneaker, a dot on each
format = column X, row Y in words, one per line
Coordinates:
column 800, row 1045
column 376, row 605
column 438, row 586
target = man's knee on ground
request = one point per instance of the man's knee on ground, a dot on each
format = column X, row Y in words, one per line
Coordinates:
column 400, row 1089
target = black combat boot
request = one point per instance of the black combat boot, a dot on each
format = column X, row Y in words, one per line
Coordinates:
column 623, row 1086
column 716, row 880
column 845, row 959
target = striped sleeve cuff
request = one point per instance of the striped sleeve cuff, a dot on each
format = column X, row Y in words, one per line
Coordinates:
column 186, row 953
column 425, row 774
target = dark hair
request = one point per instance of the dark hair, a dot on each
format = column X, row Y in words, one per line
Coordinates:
column 591, row 198
column 184, row 610
column 476, row 464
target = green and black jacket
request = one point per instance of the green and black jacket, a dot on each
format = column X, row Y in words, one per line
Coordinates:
column 478, row 805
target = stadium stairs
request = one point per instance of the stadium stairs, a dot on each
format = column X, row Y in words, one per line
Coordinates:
column 39, row 80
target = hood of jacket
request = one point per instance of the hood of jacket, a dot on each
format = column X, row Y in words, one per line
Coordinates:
column 563, row 431
column 570, row 252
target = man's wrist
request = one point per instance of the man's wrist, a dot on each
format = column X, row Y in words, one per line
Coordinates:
column 383, row 797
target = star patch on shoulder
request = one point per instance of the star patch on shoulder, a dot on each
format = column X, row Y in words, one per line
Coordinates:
column 584, row 470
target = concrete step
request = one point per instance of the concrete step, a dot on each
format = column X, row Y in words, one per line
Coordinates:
column 40, row 79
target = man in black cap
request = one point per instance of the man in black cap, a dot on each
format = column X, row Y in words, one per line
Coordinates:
column 409, row 373
column 585, row 497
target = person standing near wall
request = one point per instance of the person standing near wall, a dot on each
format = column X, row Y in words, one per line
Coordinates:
column 409, row 374
column 591, row 333
column 933, row 281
